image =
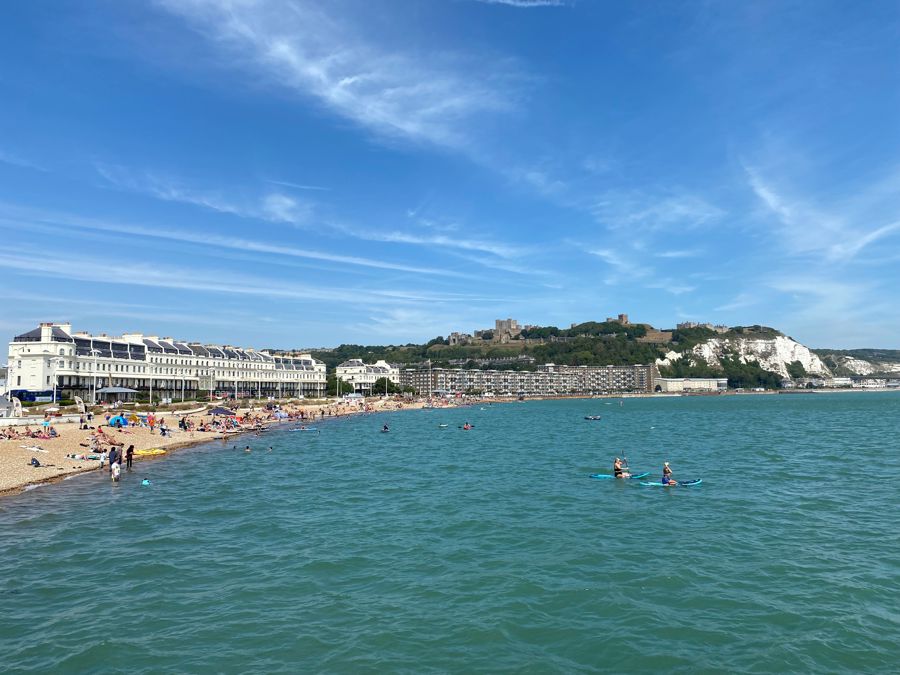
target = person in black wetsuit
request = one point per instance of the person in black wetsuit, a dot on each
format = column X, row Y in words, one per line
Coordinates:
column 129, row 456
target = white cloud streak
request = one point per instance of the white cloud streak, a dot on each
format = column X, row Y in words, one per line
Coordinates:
column 298, row 186
column 138, row 273
column 635, row 210
column 833, row 234
column 298, row 46
column 524, row 4
column 273, row 207
column 217, row 240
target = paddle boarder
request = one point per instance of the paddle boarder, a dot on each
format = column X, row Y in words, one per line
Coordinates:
column 667, row 475
column 618, row 470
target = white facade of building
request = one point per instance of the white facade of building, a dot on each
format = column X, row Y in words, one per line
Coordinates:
column 363, row 376
column 548, row 380
column 78, row 364
column 690, row 384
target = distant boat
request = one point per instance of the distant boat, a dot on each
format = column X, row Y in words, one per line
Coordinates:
column 593, row 418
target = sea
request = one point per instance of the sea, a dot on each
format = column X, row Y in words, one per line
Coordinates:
column 432, row 549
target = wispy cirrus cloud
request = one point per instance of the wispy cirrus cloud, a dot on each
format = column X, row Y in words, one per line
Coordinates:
column 274, row 207
column 15, row 160
column 838, row 231
column 679, row 253
column 524, row 4
column 637, row 210
column 297, row 186
column 136, row 272
column 301, row 47
column 18, row 216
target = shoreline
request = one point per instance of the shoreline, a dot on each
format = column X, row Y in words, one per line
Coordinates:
column 17, row 476
column 25, row 480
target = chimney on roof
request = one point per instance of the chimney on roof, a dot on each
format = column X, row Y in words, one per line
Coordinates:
column 46, row 332
column 66, row 327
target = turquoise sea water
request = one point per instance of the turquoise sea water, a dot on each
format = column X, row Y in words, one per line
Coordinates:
column 442, row 550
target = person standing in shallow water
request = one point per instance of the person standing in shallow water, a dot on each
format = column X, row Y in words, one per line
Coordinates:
column 129, row 457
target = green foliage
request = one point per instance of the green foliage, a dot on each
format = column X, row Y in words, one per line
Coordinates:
column 755, row 331
column 332, row 388
column 544, row 332
column 795, row 369
column 740, row 375
column 381, row 383
column 687, row 338
column 596, row 352
column 746, row 375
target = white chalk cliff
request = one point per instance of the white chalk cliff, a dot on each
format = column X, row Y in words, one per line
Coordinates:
column 772, row 353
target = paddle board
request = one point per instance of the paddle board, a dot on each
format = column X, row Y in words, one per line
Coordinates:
column 686, row 483
column 609, row 475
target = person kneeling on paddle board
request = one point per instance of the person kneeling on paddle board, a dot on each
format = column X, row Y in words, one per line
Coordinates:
column 667, row 475
column 618, row 471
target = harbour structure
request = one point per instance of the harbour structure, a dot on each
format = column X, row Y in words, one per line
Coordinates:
column 53, row 361
column 363, row 376
column 548, row 380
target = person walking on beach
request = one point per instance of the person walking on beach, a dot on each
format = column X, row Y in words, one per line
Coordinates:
column 129, row 457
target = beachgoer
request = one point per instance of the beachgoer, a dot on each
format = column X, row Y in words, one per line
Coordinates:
column 129, row 456
column 667, row 475
column 247, row 449
column 385, row 428
column 618, row 469
column 113, row 457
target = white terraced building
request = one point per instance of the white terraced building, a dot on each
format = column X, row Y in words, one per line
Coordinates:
column 52, row 360
column 363, row 376
column 548, row 380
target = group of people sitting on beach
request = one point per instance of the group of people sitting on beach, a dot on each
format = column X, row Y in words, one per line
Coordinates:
column 45, row 433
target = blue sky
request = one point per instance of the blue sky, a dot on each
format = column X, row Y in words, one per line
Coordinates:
column 290, row 173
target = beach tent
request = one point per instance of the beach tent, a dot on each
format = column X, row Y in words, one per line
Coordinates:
column 118, row 419
column 222, row 411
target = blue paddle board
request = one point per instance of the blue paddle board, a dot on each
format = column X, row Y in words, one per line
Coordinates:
column 686, row 483
column 609, row 475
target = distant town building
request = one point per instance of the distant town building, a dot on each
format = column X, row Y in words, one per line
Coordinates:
column 653, row 336
column 459, row 339
column 548, row 380
column 690, row 384
column 694, row 324
column 363, row 376
column 54, row 358
column 506, row 330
